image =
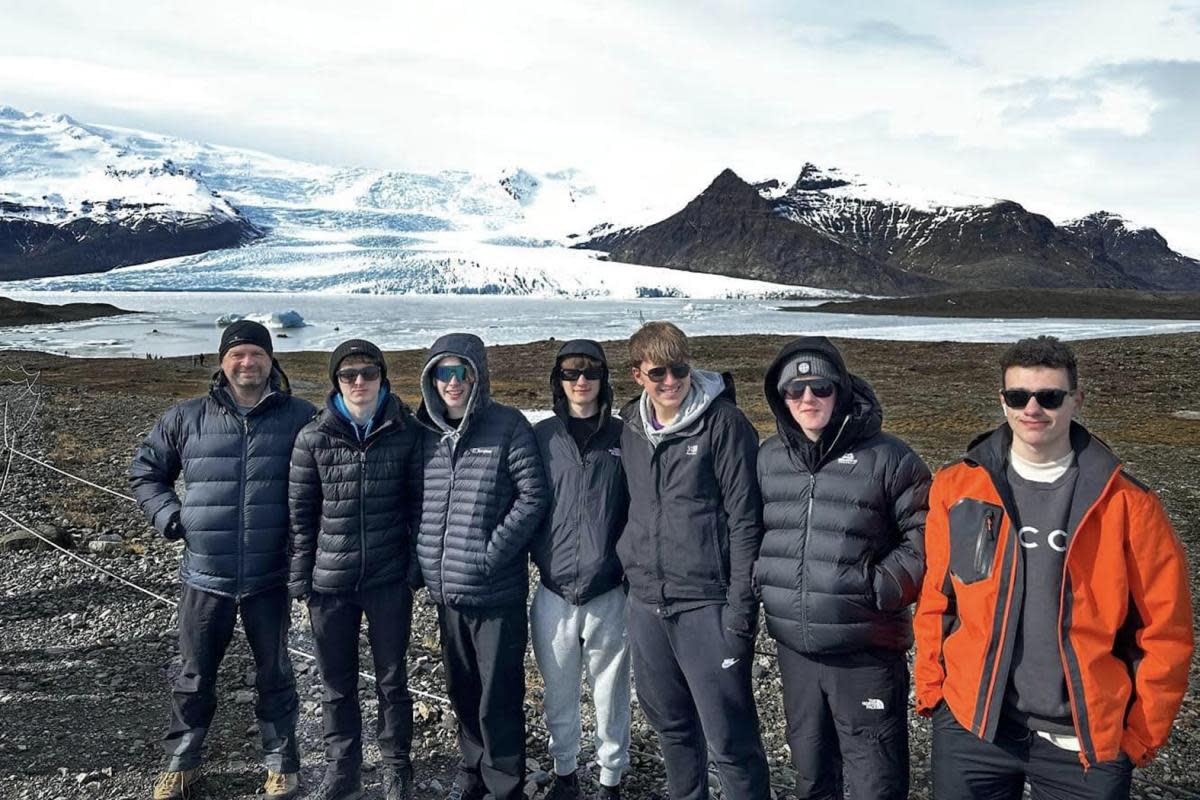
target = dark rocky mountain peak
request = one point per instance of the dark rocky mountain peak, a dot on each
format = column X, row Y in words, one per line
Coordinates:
column 813, row 178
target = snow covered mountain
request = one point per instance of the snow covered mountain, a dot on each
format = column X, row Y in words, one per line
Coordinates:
column 840, row 231
column 292, row 226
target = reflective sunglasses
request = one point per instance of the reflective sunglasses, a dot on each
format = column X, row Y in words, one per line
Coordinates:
column 460, row 371
column 1047, row 398
column 351, row 374
column 678, row 371
column 820, row 388
column 590, row 373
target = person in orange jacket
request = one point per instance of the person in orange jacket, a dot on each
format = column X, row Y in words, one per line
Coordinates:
column 1054, row 626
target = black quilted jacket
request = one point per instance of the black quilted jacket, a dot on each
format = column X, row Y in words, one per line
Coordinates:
column 842, row 556
column 483, row 491
column 234, row 515
column 351, row 502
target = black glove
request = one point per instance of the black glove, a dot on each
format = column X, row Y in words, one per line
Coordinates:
column 174, row 528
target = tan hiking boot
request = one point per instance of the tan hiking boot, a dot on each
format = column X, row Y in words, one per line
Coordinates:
column 281, row 785
column 176, row 785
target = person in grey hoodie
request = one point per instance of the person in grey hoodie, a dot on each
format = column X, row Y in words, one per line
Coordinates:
column 483, row 496
column 579, row 612
column 688, row 548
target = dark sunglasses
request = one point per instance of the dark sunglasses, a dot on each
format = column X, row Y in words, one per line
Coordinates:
column 460, row 371
column 678, row 371
column 1047, row 398
column 351, row 374
column 590, row 373
column 820, row 388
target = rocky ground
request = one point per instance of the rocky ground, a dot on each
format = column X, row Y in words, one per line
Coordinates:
column 990, row 303
column 84, row 658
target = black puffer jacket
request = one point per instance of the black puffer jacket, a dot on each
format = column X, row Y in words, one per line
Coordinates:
column 484, row 490
column 694, row 522
column 842, row 557
column 351, row 502
column 575, row 551
column 234, row 515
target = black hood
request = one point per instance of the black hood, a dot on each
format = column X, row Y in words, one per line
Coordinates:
column 857, row 407
column 470, row 349
column 593, row 350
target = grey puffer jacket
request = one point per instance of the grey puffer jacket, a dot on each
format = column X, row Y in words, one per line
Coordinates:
column 575, row 551
column 234, row 515
column 483, row 491
column 694, row 522
column 842, row 556
column 351, row 502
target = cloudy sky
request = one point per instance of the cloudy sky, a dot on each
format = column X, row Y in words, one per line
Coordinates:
column 1066, row 106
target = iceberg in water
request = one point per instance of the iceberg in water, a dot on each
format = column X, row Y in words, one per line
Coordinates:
column 279, row 320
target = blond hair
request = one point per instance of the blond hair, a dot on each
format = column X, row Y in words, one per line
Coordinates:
column 659, row 343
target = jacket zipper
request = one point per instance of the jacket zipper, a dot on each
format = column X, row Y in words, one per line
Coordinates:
column 446, row 524
column 577, row 591
column 362, row 517
column 242, row 507
column 988, row 534
column 812, row 488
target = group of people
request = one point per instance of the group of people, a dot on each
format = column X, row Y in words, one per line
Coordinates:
column 1053, row 622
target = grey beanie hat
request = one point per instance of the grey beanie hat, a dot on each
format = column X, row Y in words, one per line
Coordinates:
column 807, row 364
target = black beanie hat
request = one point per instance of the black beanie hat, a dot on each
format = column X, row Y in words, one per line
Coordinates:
column 245, row 331
column 356, row 347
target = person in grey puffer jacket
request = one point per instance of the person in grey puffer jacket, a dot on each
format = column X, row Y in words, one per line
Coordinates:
column 841, row 561
column 352, row 499
column 579, row 612
column 484, row 494
column 232, row 448
column 688, row 550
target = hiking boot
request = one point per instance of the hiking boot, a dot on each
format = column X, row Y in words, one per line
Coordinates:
column 176, row 785
column 609, row 792
column 281, row 785
column 338, row 787
column 397, row 783
column 460, row 792
column 566, row 787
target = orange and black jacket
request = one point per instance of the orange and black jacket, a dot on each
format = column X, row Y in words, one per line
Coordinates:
column 1125, row 616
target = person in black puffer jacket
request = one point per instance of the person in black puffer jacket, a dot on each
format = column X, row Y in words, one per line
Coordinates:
column 579, row 612
column 841, row 561
column 351, row 496
column 484, row 495
column 231, row 447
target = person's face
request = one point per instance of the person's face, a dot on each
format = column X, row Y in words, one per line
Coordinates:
column 359, row 380
column 808, row 407
column 246, row 366
column 667, row 390
column 578, row 387
column 1036, row 426
column 454, row 385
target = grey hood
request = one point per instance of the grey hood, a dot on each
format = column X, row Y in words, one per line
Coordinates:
column 706, row 387
column 470, row 349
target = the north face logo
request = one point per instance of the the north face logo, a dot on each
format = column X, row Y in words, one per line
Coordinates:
column 873, row 704
column 848, row 458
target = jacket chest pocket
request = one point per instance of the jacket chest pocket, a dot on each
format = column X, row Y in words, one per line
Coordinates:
column 974, row 532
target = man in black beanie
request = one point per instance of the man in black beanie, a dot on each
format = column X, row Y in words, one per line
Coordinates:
column 352, row 500
column 232, row 448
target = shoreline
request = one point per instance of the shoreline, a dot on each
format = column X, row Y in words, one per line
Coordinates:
column 1115, row 304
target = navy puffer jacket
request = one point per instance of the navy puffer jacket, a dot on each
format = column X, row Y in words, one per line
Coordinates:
column 234, row 515
column 842, row 556
column 351, row 502
column 484, row 490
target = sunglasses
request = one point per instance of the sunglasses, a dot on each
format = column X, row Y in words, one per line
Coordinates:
column 589, row 373
column 351, row 374
column 678, row 371
column 820, row 388
column 460, row 371
column 1046, row 398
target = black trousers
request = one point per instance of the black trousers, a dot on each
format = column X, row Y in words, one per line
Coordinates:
column 206, row 623
column 965, row 766
column 336, row 620
column 847, row 723
column 484, row 654
column 693, row 684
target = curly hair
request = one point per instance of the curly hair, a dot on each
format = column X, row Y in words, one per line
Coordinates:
column 1042, row 351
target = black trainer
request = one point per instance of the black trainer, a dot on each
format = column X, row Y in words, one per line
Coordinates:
column 609, row 792
column 336, row 786
column 397, row 783
column 566, row 787
column 460, row 792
